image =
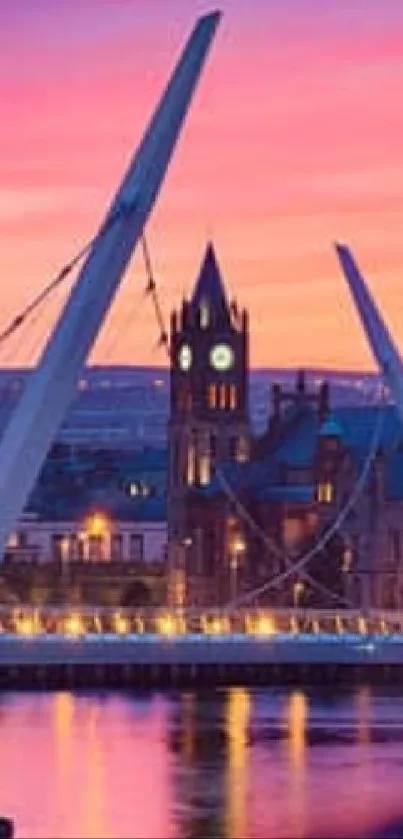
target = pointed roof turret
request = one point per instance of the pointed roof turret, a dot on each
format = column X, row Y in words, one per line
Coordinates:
column 209, row 288
column 330, row 428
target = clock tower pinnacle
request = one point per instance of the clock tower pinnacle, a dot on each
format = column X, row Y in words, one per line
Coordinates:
column 209, row 422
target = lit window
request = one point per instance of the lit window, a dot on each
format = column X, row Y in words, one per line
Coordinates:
column 223, row 397
column 13, row 541
column 293, row 531
column 233, row 397
column 185, row 399
column 325, row 493
column 97, row 525
column 242, row 450
column 212, row 396
column 191, row 465
column 204, row 315
column 204, row 470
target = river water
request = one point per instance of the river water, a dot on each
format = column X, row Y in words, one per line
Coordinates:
column 231, row 763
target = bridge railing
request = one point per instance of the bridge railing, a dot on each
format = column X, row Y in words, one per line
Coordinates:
column 81, row 620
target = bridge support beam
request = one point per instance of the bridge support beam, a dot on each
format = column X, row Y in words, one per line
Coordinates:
column 382, row 345
column 52, row 387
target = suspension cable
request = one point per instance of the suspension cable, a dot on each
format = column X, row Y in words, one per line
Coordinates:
column 299, row 566
column 64, row 272
column 151, row 289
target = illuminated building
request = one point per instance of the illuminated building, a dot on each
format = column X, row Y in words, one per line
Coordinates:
column 241, row 505
column 209, row 421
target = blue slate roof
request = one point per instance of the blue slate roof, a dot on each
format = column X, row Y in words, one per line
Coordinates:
column 117, row 506
column 394, row 477
column 70, row 488
column 296, row 447
column 330, row 428
column 291, row 493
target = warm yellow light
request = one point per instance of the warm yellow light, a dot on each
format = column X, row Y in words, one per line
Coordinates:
column 121, row 624
column 13, row 540
column 214, row 625
column 238, row 545
column 170, row 625
column 362, row 626
column 347, row 560
column 339, row 625
column 98, row 624
column 25, row 626
column 294, row 628
column 179, row 585
column 325, row 493
column 260, row 625
column 298, row 589
column 139, row 625
column 204, row 470
column 383, row 628
column 73, row 626
column 191, row 465
column 98, row 525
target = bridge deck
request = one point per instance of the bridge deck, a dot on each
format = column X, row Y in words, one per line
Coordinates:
column 109, row 660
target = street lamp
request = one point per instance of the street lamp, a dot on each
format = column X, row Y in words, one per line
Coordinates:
column 297, row 591
column 238, row 548
column 64, row 555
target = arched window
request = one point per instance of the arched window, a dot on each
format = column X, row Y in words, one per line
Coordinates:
column 223, row 397
column 191, row 464
column 212, row 396
column 325, row 493
column 204, row 315
column 204, row 469
column 185, row 400
column 233, row 397
column 242, row 451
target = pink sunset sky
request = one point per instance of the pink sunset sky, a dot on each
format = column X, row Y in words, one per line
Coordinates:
column 295, row 140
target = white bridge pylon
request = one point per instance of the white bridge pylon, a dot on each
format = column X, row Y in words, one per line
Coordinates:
column 379, row 338
column 52, row 386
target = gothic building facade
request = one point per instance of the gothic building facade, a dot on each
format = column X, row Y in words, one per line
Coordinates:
column 243, row 509
column 209, row 419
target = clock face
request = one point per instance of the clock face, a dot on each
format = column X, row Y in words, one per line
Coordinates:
column 222, row 357
column 185, row 357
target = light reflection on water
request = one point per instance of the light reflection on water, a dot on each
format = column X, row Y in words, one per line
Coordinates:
column 232, row 763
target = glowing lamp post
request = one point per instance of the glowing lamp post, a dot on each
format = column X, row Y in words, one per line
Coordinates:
column 297, row 591
column 238, row 548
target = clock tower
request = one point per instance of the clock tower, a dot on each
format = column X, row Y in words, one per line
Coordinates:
column 209, row 421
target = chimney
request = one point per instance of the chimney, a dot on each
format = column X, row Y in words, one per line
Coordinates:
column 323, row 401
column 185, row 313
column 174, row 322
column 275, row 414
column 300, row 382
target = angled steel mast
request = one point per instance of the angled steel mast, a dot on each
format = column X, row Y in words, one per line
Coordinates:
column 52, row 386
column 381, row 342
